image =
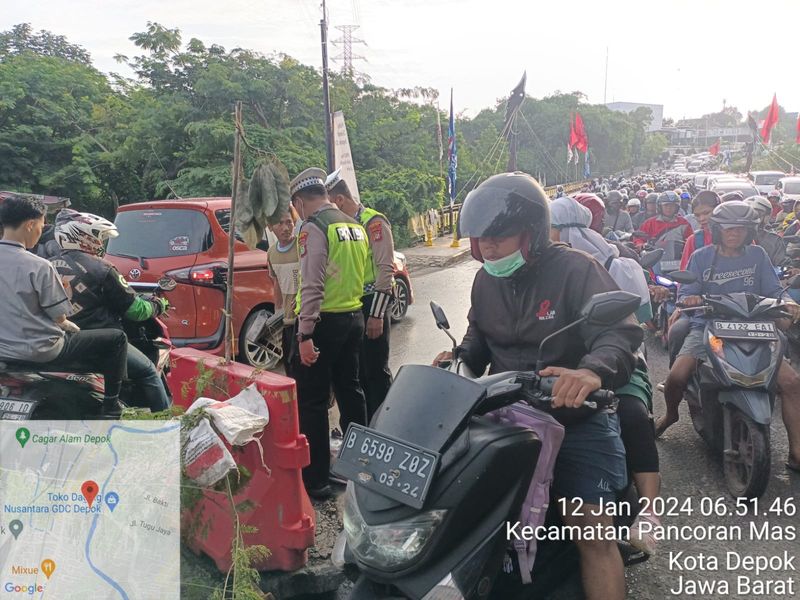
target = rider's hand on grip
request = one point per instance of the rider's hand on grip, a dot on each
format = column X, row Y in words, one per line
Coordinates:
column 690, row 301
column 573, row 385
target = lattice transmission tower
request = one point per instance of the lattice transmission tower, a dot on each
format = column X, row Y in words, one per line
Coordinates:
column 345, row 42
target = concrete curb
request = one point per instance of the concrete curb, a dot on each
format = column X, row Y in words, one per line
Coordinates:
column 426, row 260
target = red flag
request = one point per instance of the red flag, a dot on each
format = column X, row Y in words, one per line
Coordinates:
column 797, row 139
column 582, row 142
column 770, row 120
column 714, row 149
column 573, row 135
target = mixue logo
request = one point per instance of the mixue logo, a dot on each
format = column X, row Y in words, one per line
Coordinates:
column 544, row 313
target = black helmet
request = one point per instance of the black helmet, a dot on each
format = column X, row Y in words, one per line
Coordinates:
column 734, row 213
column 613, row 196
column 668, row 197
column 505, row 205
column 651, row 198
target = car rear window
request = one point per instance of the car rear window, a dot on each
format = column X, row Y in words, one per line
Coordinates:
column 791, row 187
column 746, row 191
column 161, row 233
column 767, row 179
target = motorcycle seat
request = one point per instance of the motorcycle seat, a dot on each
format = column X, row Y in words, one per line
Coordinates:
column 8, row 365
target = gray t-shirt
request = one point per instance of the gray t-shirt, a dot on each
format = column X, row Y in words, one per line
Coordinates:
column 618, row 222
column 33, row 297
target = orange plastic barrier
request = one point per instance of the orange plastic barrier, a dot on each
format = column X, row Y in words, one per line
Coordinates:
column 282, row 512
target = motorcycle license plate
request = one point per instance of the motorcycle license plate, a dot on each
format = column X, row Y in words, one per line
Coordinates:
column 745, row 330
column 393, row 468
column 13, row 410
column 667, row 266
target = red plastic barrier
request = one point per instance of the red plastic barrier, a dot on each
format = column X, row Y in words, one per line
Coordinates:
column 283, row 514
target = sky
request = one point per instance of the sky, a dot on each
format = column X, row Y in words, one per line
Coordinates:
column 689, row 55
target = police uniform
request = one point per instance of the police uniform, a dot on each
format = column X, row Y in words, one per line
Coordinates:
column 374, row 372
column 333, row 251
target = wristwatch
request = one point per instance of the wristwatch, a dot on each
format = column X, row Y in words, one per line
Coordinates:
column 302, row 337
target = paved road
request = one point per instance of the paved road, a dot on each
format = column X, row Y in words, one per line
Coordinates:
column 689, row 470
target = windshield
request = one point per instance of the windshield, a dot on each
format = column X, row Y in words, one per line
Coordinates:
column 160, row 233
column 791, row 187
column 767, row 179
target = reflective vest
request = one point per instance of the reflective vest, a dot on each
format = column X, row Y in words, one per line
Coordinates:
column 348, row 251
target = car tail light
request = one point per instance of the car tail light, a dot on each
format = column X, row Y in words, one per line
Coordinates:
column 211, row 275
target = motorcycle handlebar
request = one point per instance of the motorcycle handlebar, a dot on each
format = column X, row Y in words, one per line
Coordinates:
column 598, row 399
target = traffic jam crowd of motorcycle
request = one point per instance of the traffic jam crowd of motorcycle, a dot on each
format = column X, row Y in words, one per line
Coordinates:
column 706, row 261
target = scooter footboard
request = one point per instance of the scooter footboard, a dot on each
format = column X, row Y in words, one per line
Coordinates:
column 754, row 403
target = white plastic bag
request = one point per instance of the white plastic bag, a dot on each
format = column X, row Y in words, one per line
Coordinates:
column 205, row 457
column 238, row 419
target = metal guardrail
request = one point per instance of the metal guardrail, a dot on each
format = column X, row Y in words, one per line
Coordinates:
column 448, row 215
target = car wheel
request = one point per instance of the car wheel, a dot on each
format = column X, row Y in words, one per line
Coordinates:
column 401, row 296
column 264, row 353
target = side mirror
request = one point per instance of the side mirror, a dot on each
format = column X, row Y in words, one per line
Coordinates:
column 683, row 276
column 648, row 259
column 610, row 307
column 439, row 316
column 167, row 284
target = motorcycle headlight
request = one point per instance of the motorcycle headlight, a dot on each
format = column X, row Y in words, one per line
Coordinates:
column 391, row 545
column 749, row 381
column 400, row 261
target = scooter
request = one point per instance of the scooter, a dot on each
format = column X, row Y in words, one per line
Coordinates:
column 27, row 393
column 731, row 395
column 435, row 480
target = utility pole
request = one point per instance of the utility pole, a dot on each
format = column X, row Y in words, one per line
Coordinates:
column 326, row 99
column 346, row 42
column 605, row 84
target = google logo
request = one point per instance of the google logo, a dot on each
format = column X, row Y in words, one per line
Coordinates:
column 22, row 589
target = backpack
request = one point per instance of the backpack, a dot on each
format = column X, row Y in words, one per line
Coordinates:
column 537, row 500
column 699, row 239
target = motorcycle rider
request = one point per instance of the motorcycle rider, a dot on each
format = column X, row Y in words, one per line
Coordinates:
column 634, row 208
column 787, row 207
column 650, row 208
column 542, row 287
column 732, row 264
column 101, row 297
column 570, row 224
column 33, row 315
column 668, row 218
column 769, row 241
column 616, row 218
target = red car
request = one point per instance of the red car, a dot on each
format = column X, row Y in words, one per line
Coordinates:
column 187, row 240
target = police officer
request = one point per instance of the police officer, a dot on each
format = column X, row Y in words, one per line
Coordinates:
column 333, row 252
column 375, row 375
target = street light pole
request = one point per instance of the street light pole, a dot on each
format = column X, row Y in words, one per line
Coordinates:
column 326, row 99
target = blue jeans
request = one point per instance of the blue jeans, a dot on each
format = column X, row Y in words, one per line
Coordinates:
column 148, row 391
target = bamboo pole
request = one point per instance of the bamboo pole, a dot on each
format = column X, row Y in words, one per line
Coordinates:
column 236, row 169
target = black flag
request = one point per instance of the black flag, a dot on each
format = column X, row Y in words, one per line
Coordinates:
column 515, row 101
column 751, row 123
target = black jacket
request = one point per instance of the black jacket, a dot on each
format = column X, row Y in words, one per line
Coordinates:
column 99, row 294
column 509, row 317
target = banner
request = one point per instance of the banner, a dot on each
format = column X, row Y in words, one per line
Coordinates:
column 452, row 154
column 342, row 157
